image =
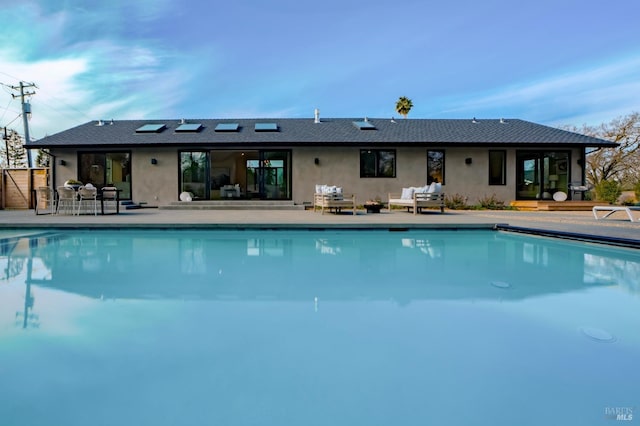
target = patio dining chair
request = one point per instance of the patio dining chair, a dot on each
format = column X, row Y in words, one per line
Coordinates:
column 66, row 200
column 109, row 195
column 88, row 196
column 45, row 200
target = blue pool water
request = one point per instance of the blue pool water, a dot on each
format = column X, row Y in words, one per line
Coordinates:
column 316, row 328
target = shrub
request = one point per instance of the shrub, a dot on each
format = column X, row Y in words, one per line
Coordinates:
column 609, row 191
column 456, row 202
column 636, row 189
column 627, row 200
column 491, row 202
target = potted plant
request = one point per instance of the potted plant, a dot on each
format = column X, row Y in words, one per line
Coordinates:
column 373, row 206
column 72, row 183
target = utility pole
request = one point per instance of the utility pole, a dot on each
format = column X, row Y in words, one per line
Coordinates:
column 26, row 110
column 5, row 138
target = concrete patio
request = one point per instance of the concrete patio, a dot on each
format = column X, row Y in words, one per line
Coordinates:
column 616, row 226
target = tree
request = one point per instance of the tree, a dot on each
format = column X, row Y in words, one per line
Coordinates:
column 621, row 164
column 403, row 106
column 14, row 154
column 43, row 158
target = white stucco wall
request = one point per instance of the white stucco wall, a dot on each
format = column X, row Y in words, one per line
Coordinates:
column 341, row 167
column 157, row 184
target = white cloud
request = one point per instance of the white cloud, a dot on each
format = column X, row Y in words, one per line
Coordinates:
column 598, row 93
column 56, row 89
column 107, row 81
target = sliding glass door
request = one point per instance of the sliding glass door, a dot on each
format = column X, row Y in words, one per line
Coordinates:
column 269, row 176
column 248, row 174
column 106, row 169
column 540, row 174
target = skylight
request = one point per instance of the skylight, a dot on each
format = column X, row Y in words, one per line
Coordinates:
column 227, row 127
column 266, row 127
column 151, row 128
column 189, row 127
column 364, row 125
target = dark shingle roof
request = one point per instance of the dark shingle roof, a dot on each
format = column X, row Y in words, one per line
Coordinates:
column 330, row 131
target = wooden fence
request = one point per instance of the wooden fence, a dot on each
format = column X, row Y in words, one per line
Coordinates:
column 17, row 187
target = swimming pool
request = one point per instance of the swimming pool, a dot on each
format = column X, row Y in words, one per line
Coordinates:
column 316, row 328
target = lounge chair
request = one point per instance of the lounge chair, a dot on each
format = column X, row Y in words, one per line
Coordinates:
column 332, row 198
column 612, row 209
column 418, row 198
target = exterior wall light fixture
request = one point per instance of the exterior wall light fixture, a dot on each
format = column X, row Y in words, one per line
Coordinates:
column 154, row 161
column 468, row 160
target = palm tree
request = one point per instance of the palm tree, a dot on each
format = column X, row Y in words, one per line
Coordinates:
column 403, row 106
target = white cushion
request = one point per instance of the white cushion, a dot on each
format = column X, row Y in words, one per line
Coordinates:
column 319, row 189
column 422, row 189
column 432, row 188
column 407, row 194
column 338, row 195
column 438, row 188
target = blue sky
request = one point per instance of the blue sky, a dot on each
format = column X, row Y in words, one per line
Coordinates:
column 560, row 62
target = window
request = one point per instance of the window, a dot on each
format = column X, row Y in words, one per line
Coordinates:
column 377, row 163
column 540, row 174
column 151, row 128
column 193, row 173
column 435, row 167
column 189, row 127
column 497, row 168
column 227, row 127
column 364, row 125
column 106, row 169
column 266, row 127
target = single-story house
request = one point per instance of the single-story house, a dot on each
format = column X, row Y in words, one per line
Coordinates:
column 155, row 161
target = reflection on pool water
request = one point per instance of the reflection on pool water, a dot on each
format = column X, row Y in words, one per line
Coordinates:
column 316, row 328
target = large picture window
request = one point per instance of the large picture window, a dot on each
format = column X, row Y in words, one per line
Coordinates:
column 435, row 167
column 377, row 163
column 497, row 168
column 193, row 173
column 106, row 169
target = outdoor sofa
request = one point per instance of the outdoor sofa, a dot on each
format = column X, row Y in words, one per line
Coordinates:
column 418, row 198
column 332, row 198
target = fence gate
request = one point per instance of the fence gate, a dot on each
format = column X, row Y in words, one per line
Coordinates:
column 17, row 187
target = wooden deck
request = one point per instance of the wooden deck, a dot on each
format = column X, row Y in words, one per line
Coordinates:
column 550, row 205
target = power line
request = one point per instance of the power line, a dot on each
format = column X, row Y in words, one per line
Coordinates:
column 5, row 111
column 61, row 101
